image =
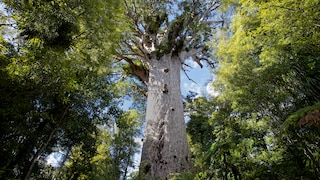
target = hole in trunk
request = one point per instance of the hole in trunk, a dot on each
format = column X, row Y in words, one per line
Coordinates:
column 161, row 124
column 147, row 168
column 165, row 89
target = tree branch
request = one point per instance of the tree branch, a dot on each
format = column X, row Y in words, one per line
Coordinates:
column 140, row 71
column 213, row 6
column 132, row 14
column 211, row 64
column 36, row 156
column 6, row 24
column 186, row 54
column 184, row 71
column 214, row 22
column 139, row 52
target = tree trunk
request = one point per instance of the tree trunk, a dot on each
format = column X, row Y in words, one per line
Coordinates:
column 37, row 155
column 165, row 148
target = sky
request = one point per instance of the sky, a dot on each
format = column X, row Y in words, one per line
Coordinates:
column 201, row 80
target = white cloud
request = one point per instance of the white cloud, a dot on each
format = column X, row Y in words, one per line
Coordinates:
column 211, row 91
column 194, row 88
column 54, row 158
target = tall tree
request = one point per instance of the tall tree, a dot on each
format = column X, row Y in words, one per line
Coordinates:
column 110, row 157
column 268, row 68
column 163, row 34
column 54, row 79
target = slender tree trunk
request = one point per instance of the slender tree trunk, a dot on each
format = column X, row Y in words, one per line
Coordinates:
column 36, row 156
column 165, row 149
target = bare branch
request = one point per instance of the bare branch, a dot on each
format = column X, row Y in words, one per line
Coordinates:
column 213, row 6
column 13, row 25
column 185, row 54
column 187, row 65
column 184, row 71
column 197, row 60
column 214, row 22
column 208, row 61
column 6, row 24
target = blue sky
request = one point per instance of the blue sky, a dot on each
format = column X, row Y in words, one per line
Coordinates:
column 201, row 77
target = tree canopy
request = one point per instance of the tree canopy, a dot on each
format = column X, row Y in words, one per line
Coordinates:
column 264, row 120
column 67, row 66
column 57, row 86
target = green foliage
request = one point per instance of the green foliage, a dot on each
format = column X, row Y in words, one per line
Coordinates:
column 55, row 84
column 269, row 41
column 111, row 155
column 58, row 94
column 183, row 176
column 59, row 23
column 301, row 113
column 268, row 84
column 300, row 133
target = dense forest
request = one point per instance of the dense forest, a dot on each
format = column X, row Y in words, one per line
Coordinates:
column 69, row 67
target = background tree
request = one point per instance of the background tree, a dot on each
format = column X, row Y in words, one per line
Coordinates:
column 264, row 121
column 123, row 146
column 55, row 80
column 109, row 157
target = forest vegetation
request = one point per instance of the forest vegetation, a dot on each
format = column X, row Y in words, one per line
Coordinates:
column 68, row 67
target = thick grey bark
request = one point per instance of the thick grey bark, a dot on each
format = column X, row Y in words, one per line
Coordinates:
column 165, row 148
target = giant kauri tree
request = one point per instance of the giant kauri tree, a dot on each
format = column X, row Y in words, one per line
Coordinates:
column 163, row 35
